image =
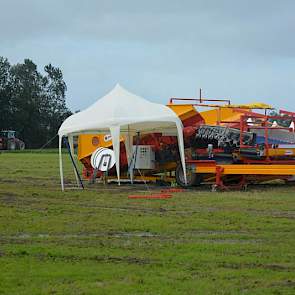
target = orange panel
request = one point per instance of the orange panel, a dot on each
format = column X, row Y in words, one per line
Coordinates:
column 88, row 143
column 183, row 111
column 211, row 117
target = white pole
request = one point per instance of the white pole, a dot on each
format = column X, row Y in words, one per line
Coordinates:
column 115, row 133
column 60, row 164
column 181, row 149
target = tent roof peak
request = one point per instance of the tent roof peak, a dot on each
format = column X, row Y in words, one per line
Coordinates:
column 120, row 107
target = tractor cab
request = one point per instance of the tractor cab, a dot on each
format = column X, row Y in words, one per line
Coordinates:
column 8, row 134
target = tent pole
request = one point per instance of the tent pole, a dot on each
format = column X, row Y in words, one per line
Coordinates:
column 73, row 162
column 181, row 150
column 60, row 164
column 115, row 133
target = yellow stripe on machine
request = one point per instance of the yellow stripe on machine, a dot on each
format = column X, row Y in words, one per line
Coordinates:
column 248, row 169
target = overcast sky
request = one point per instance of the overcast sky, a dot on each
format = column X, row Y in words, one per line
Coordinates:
column 238, row 49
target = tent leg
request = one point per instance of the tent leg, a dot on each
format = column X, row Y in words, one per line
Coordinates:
column 181, row 150
column 60, row 164
column 115, row 133
column 73, row 162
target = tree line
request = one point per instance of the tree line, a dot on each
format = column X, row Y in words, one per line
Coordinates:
column 32, row 103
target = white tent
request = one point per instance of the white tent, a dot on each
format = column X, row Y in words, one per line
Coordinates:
column 121, row 112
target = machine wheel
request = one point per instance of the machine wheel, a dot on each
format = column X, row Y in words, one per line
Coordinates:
column 192, row 178
column 11, row 145
column 21, row 146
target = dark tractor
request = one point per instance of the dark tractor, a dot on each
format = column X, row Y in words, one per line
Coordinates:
column 8, row 141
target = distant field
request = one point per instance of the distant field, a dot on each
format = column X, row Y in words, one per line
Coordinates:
column 99, row 242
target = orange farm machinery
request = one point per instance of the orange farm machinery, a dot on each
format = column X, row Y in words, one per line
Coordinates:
column 226, row 145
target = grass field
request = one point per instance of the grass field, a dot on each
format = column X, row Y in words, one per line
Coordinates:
column 98, row 241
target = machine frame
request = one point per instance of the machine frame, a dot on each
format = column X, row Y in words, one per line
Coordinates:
column 273, row 163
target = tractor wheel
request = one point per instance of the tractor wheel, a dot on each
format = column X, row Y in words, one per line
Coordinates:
column 193, row 179
column 11, row 145
column 21, row 146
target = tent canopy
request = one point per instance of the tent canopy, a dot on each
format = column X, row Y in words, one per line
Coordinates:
column 121, row 112
column 121, row 108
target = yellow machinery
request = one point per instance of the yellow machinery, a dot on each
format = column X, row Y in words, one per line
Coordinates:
column 268, row 155
column 88, row 143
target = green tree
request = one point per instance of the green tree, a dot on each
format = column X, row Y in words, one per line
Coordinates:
column 27, row 96
column 56, row 110
column 32, row 104
column 5, row 94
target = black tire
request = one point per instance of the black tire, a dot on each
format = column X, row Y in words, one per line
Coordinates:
column 11, row 145
column 21, row 145
column 193, row 179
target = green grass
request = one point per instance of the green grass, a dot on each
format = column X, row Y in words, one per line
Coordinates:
column 98, row 241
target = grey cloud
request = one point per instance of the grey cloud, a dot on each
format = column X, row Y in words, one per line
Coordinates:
column 242, row 49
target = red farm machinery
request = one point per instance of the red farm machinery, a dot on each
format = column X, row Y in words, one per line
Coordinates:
column 225, row 145
column 9, row 141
